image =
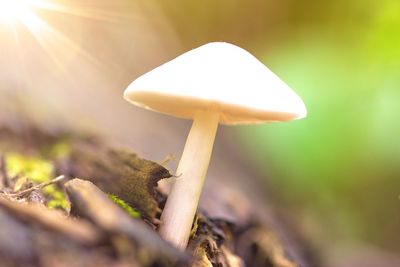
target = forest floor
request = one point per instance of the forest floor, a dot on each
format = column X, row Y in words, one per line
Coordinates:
column 68, row 200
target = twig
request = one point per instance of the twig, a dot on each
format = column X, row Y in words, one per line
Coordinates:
column 167, row 159
column 37, row 187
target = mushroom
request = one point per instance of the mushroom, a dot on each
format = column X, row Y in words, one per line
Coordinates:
column 214, row 83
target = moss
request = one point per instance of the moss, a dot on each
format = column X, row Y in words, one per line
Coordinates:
column 128, row 209
column 61, row 149
column 37, row 170
column 57, row 197
column 121, row 173
column 20, row 182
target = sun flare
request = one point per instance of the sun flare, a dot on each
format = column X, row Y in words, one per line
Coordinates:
column 26, row 25
column 16, row 10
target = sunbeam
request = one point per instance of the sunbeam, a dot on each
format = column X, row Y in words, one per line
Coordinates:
column 55, row 54
column 13, row 10
column 58, row 45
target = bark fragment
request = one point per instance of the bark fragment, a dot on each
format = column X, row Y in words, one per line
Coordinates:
column 122, row 173
column 91, row 203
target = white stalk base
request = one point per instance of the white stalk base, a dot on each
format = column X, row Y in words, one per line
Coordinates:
column 180, row 209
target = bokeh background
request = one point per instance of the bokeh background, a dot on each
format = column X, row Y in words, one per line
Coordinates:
column 335, row 175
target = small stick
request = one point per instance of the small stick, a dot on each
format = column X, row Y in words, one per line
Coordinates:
column 167, row 159
column 36, row 187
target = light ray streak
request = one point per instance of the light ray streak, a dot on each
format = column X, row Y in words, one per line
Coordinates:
column 54, row 42
column 58, row 46
column 83, row 11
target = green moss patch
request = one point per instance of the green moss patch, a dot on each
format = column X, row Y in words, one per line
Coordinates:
column 125, row 206
column 37, row 170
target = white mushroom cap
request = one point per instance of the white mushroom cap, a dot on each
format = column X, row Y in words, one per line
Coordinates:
column 218, row 76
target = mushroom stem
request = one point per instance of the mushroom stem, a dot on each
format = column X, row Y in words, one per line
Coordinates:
column 180, row 209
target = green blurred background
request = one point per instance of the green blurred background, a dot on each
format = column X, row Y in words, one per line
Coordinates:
column 341, row 165
column 335, row 174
